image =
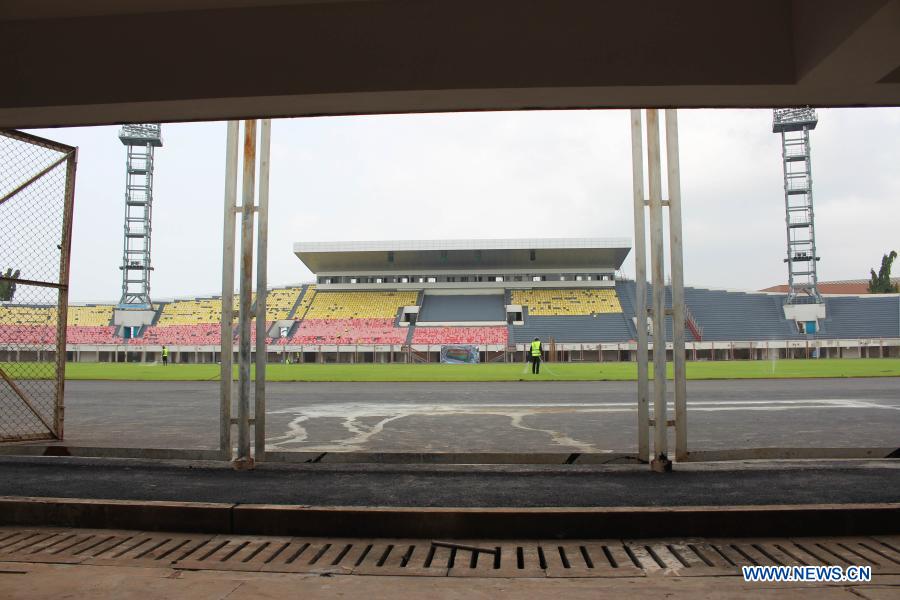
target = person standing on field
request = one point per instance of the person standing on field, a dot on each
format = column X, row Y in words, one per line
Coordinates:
column 536, row 351
column 165, row 356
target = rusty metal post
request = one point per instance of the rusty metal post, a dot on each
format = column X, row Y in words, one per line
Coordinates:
column 660, row 460
column 676, row 256
column 62, row 309
column 244, row 459
column 227, row 345
column 640, row 282
column 262, row 251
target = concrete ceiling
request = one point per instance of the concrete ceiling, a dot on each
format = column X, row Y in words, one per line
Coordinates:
column 108, row 61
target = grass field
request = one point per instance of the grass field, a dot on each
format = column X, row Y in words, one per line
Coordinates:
column 888, row 367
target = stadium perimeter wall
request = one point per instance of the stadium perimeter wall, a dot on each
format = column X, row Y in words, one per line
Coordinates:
column 618, row 352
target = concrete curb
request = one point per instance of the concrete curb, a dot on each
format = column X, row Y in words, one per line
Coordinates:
column 451, row 458
column 198, row 517
column 493, row 523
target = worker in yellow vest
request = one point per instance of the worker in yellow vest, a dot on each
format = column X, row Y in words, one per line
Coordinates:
column 536, row 350
column 165, row 356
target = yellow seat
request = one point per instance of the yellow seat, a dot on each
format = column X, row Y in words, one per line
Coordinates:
column 567, row 302
column 359, row 305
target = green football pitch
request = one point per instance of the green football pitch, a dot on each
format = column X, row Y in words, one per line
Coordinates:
column 888, row 367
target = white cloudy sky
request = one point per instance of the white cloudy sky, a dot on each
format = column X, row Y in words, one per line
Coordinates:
column 486, row 175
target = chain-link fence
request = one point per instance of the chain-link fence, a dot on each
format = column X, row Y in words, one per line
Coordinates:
column 37, row 178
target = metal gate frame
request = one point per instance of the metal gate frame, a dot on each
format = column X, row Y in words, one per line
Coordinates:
column 55, row 429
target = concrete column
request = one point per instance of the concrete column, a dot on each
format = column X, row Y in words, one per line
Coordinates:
column 227, row 351
column 244, row 459
column 640, row 309
column 262, row 250
column 673, row 165
column 660, row 460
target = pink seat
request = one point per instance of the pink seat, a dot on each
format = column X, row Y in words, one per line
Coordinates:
column 460, row 335
column 348, row 332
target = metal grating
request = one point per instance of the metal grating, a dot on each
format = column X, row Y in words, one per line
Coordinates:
column 594, row 558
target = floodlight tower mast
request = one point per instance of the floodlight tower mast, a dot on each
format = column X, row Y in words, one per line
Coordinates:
column 140, row 141
column 794, row 125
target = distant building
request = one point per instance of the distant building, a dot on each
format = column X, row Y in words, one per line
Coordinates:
column 845, row 286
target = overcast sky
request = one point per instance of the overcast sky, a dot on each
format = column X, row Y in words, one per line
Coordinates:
column 493, row 175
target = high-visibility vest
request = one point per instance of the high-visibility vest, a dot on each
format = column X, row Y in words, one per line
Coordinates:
column 535, row 348
column 166, row 352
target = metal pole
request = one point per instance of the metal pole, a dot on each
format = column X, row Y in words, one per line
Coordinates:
column 62, row 309
column 660, row 460
column 246, row 287
column 673, row 165
column 262, row 250
column 227, row 350
column 640, row 280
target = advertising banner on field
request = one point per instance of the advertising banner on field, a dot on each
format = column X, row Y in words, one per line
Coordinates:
column 460, row 354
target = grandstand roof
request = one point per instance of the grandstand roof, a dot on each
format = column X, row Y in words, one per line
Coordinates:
column 845, row 286
column 549, row 253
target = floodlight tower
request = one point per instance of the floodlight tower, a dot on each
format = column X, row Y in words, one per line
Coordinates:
column 794, row 125
column 140, row 141
column 134, row 309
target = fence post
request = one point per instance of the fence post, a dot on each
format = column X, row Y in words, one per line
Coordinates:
column 62, row 310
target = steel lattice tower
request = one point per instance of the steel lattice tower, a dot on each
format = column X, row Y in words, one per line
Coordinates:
column 794, row 125
column 140, row 140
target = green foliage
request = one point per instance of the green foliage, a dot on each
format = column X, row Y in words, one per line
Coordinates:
column 7, row 287
column 880, row 283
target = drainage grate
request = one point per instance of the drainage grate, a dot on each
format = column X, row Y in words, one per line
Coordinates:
column 476, row 558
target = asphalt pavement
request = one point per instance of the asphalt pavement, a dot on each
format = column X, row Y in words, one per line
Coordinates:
column 489, row 417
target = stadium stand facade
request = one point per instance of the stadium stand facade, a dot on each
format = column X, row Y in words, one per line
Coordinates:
column 401, row 301
column 462, row 308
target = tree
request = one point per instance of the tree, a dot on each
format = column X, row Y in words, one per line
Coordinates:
column 881, row 282
column 7, row 286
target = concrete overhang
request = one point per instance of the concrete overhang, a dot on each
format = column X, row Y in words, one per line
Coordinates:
column 107, row 61
column 475, row 255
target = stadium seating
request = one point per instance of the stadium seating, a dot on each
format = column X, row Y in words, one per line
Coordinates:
column 867, row 317
column 570, row 301
column 27, row 324
column 462, row 308
column 460, row 335
column 201, row 334
column 27, row 315
column 359, row 305
column 368, row 317
column 305, row 302
column 94, row 334
column 279, row 303
column 90, row 316
column 348, row 331
column 27, row 334
column 191, row 312
column 590, row 329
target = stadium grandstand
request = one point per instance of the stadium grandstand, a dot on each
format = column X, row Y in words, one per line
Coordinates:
column 402, row 301
column 844, row 286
